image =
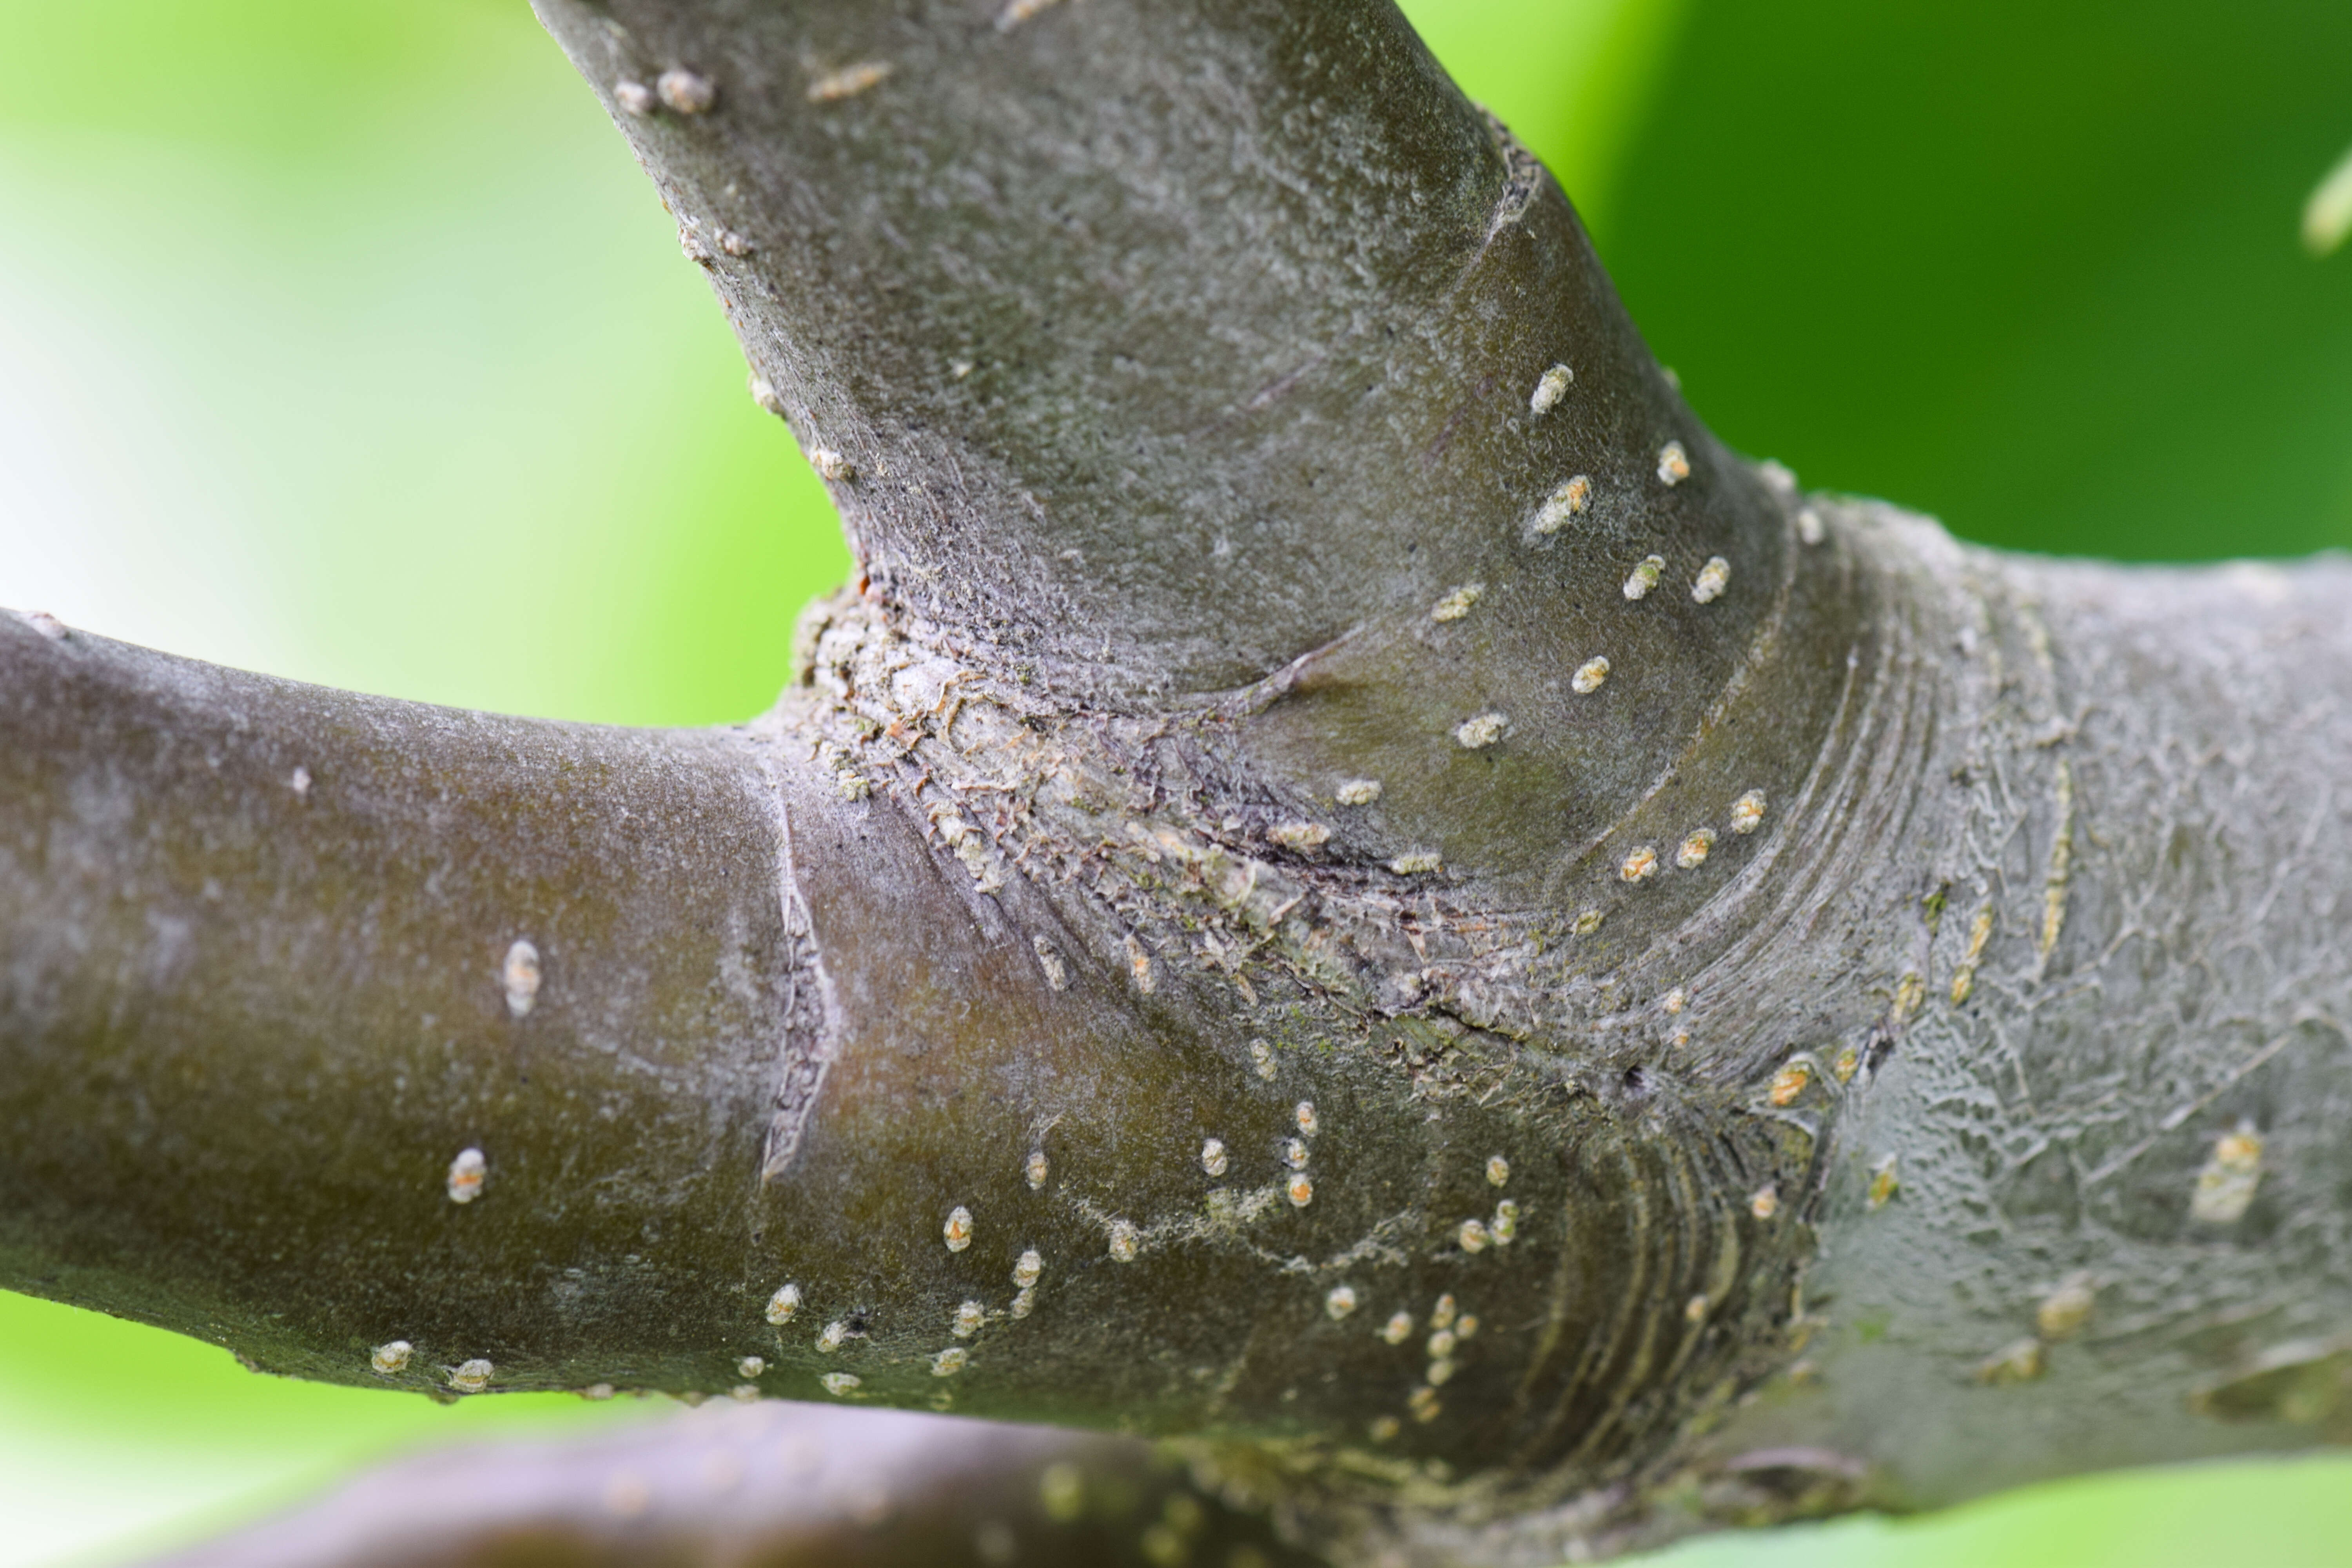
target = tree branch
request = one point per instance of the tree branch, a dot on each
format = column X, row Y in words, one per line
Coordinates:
column 1347, row 886
column 268, row 983
column 776, row 1485
column 1158, row 345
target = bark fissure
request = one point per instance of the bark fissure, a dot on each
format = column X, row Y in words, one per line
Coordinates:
column 806, row 1028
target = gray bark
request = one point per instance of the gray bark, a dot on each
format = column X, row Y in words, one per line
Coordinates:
column 1206, row 949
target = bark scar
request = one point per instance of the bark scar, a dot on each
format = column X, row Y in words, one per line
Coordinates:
column 804, row 1046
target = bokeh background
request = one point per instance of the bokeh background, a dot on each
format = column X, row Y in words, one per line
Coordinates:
column 344, row 340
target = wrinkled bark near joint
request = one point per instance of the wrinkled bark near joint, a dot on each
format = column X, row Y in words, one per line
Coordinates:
column 2089, row 1211
column 1206, row 925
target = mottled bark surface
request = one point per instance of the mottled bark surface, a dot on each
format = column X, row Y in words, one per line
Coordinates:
column 1347, row 889
column 2111, row 1131
column 259, row 940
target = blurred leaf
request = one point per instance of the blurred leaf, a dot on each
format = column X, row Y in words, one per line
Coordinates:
column 124, row 1441
column 349, row 342
column 2289, row 1513
column 2032, row 268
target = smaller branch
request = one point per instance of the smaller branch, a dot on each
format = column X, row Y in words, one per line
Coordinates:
column 773, row 1485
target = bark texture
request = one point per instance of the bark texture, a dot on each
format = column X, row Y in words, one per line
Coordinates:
column 263, row 994
column 1347, row 889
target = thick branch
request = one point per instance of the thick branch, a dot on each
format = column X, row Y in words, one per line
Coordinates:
column 277, row 957
column 1164, row 344
column 1312, row 834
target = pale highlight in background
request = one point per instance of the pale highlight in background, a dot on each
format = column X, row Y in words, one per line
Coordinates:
column 2327, row 216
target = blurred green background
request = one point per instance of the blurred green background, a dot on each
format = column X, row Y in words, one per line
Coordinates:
column 344, row 340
